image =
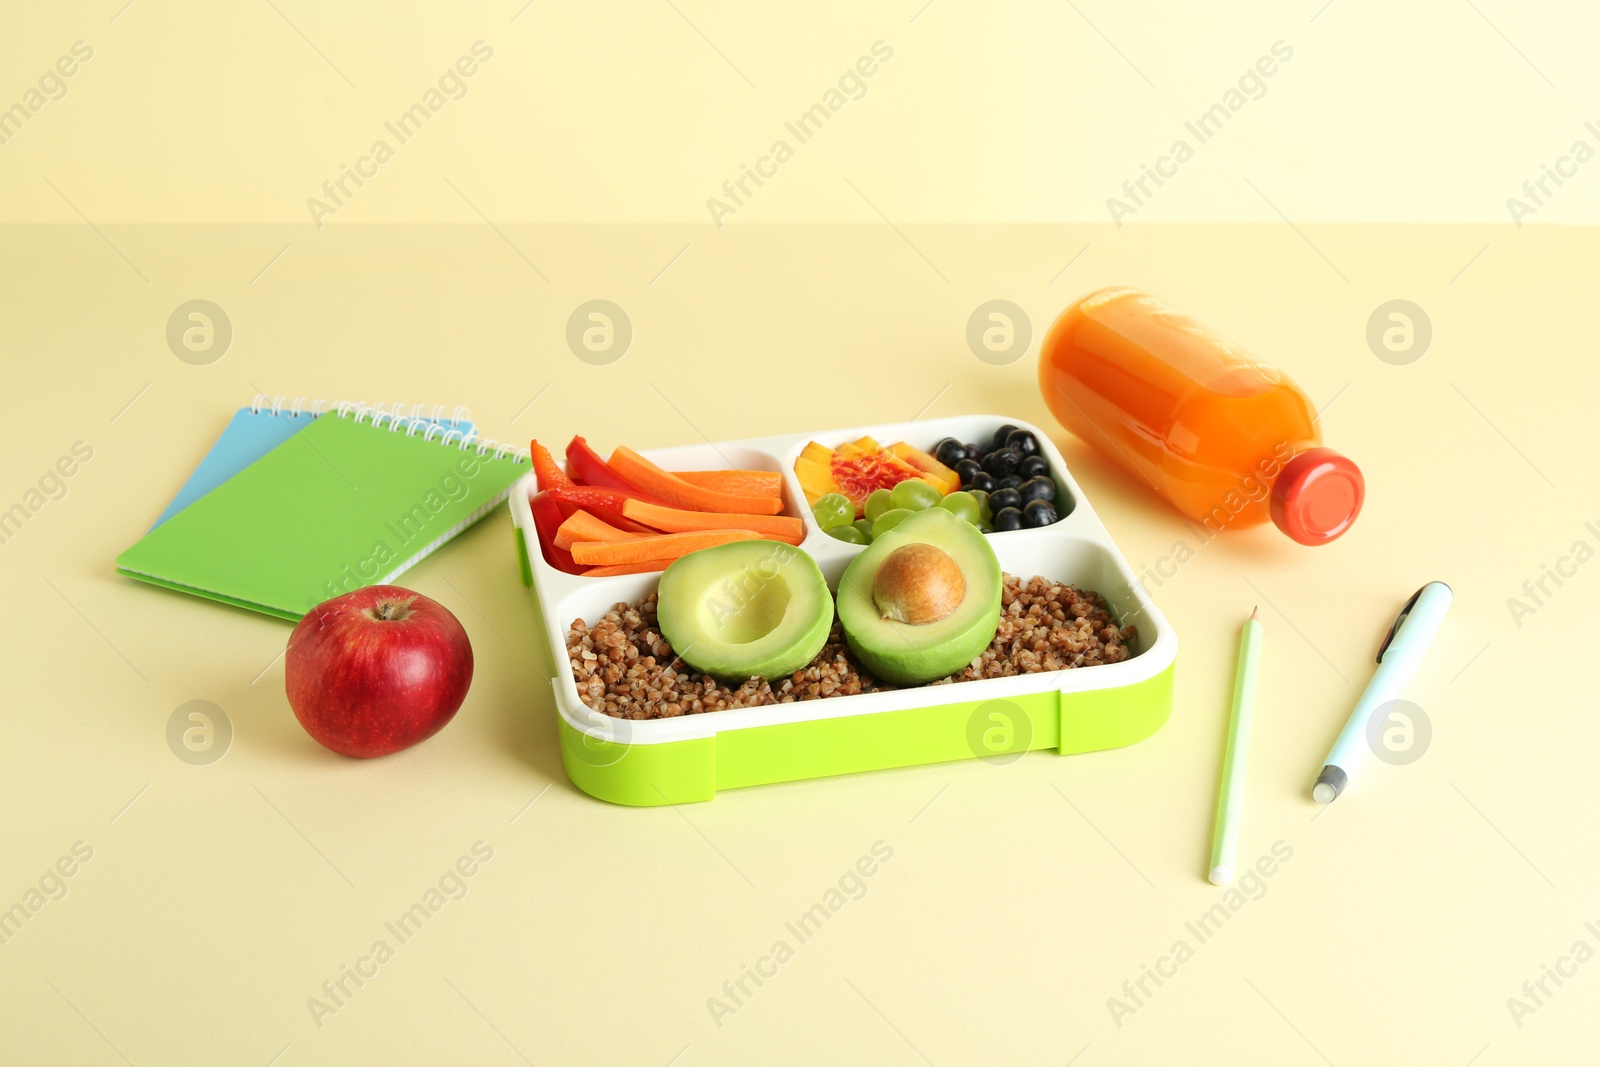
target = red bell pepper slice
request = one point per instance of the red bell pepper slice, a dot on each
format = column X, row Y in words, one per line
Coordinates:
column 589, row 469
column 544, row 467
column 603, row 502
column 546, row 520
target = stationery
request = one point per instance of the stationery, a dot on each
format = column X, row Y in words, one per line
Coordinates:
column 1230, row 793
column 345, row 502
column 262, row 426
column 1402, row 651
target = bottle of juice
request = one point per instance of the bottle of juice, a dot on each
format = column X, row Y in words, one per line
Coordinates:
column 1229, row 440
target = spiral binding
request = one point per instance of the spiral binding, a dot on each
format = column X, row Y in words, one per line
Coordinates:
column 297, row 407
column 420, row 416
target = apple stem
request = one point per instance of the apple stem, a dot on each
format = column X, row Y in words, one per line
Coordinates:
column 391, row 610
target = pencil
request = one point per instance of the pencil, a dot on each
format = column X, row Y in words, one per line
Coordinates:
column 1230, row 793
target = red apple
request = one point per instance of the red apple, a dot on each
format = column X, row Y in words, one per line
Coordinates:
column 377, row 670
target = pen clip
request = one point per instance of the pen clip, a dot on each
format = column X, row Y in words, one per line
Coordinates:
column 1398, row 619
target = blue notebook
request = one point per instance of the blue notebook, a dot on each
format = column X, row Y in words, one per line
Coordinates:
column 263, row 426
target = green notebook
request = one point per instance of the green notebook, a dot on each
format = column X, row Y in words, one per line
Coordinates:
column 340, row 505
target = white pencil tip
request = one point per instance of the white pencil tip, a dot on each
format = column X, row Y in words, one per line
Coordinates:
column 1222, row 876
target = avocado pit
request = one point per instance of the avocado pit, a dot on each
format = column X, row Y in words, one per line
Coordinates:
column 918, row 584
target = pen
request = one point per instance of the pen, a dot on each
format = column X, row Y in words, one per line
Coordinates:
column 1402, row 651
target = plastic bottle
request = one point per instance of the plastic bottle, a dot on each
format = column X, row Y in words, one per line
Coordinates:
column 1228, row 440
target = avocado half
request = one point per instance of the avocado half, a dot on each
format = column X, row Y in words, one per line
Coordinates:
column 910, row 655
column 746, row 609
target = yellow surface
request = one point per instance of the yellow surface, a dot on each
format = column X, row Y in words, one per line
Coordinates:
column 1018, row 899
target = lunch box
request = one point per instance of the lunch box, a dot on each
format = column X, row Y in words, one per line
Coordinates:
column 688, row 758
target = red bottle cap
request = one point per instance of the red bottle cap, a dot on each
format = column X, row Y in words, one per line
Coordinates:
column 1317, row 496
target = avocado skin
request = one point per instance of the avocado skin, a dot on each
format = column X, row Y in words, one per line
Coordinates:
column 913, row 655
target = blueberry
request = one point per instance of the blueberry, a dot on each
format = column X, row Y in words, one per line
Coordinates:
column 1003, row 462
column 1034, row 465
column 1038, row 513
column 967, row 469
column 1008, row 518
column 1010, row 481
column 1001, row 499
column 949, row 451
column 1000, row 435
column 1023, row 441
column 983, row 481
column 974, row 451
column 1039, row 488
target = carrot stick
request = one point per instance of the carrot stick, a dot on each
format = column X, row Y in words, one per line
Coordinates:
column 739, row 483
column 627, row 525
column 662, row 547
column 641, row 567
column 664, row 485
column 671, row 520
column 582, row 526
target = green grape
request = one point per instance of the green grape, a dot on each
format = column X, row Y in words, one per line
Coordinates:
column 913, row 494
column 877, row 504
column 962, row 506
column 866, row 529
column 984, row 512
column 889, row 520
column 833, row 509
column 850, row 533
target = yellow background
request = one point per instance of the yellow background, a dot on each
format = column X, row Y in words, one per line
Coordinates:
column 1020, row 898
column 640, row 110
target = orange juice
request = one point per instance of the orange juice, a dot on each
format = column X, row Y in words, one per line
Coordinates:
column 1230, row 441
